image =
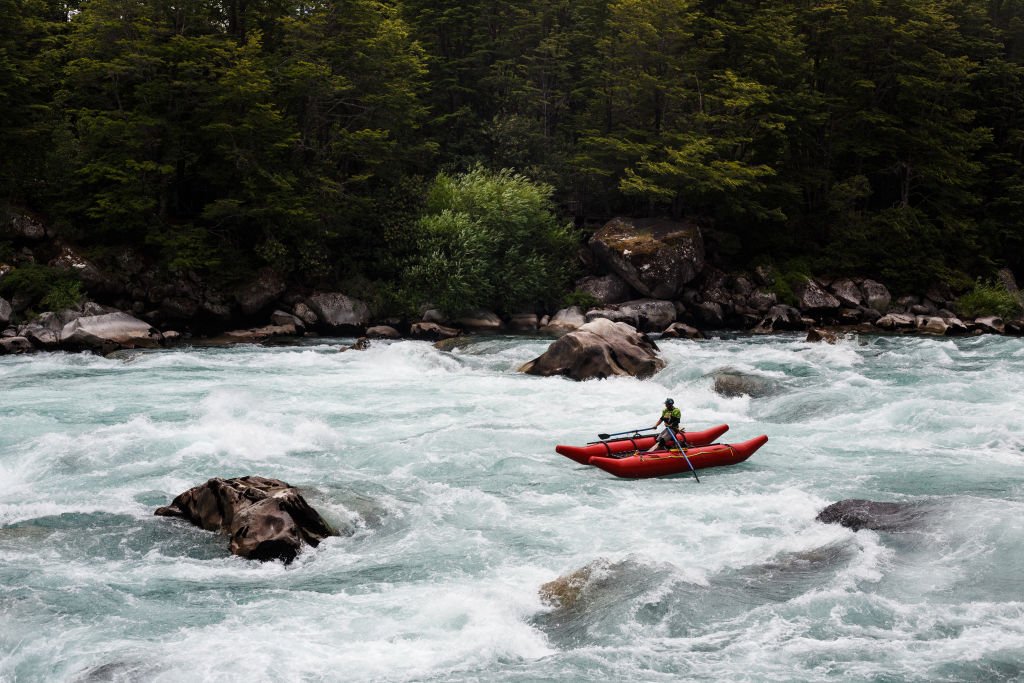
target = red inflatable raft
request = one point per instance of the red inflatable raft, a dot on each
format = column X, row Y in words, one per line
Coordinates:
column 663, row 463
column 582, row 454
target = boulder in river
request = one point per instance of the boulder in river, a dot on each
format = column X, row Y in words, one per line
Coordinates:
column 857, row 514
column 598, row 349
column 732, row 383
column 15, row 345
column 264, row 519
column 339, row 312
column 108, row 332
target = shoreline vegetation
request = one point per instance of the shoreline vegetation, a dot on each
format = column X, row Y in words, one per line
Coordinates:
column 247, row 171
column 637, row 259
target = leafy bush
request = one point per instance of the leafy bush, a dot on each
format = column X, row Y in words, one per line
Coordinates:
column 989, row 298
column 63, row 294
column 52, row 287
column 787, row 277
column 490, row 239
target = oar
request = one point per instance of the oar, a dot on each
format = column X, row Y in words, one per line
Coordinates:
column 673, row 433
column 628, row 431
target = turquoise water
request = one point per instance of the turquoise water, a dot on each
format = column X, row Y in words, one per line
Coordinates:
column 441, row 467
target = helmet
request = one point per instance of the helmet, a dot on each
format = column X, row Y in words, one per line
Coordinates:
column 669, row 402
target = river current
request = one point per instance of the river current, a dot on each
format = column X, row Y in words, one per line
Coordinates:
column 440, row 466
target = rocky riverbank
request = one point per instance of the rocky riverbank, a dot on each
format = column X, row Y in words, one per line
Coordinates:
column 650, row 274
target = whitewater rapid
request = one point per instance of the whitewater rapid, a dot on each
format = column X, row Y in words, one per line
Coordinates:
column 440, row 469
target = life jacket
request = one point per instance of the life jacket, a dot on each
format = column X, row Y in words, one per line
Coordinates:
column 672, row 417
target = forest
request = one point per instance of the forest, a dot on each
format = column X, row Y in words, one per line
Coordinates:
column 385, row 147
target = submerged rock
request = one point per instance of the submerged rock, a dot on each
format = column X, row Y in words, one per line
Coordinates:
column 816, row 334
column 264, row 519
column 432, row 331
column 857, row 514
column 732, row 383
column 598, row 349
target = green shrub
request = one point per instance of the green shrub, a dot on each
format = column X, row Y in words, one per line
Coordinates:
column 51, row 287
column 989, row 298
column 490, row 239
column 63, row 294
column 787, row 277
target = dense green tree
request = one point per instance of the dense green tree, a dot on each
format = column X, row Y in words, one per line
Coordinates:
column 882, row 137
column 30, row 32
column 351, row 78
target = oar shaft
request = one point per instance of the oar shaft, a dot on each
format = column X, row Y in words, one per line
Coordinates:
column 686, row 457
column 628, row 431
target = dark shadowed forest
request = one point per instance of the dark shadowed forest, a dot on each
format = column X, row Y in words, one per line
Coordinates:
column 384, row 146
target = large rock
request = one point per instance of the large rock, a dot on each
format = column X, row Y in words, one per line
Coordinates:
column 305, row 314
column 990, row 324
column 564, row 321
column 817, row 334
column 108, row 332
column 615, row 315
column 338, row 311
column 256, row 335
column 811, row 296
column 1006, row 278
column 860, row 514
column 382, row 332
column 877, row 296
column 480, row 320
column 682, row 331
column 42, row 332
column 523, row 322
column 732, row 383
column 45, row 331
column 279, row 317
column 656, row 257
column 761, row 300
column 780, row 317
column 264, row 519
column 14, row 345
column 606, row 289
column 931, row 325
column 24, row 226
column 847, row 292
column 258, row 295
column 6, row 311
column 709, row 314
column 653, row 315
column 431, row 331
column 896, row 321
column 598, row 349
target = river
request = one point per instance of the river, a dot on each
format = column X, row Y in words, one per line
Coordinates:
column 440, row 467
